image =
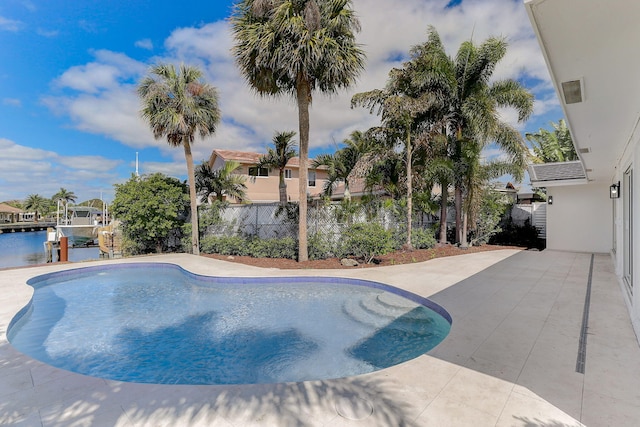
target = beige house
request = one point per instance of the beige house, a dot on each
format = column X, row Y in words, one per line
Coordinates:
column 262, row 184
column 10, row 214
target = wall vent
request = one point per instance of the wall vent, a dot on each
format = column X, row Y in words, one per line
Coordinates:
column 572, row 91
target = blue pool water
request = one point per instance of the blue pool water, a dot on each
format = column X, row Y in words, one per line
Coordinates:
column 157, row 323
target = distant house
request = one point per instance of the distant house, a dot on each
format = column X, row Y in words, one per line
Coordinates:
column 262, row 184
column 357, row 189
column 10, row 214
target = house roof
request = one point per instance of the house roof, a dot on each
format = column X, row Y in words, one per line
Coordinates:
column 561, row 173
column 250, row 157
column 593, row 43
column 5, row 208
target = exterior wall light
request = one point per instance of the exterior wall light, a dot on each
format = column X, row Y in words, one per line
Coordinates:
column 614, row 191
column 550, row 200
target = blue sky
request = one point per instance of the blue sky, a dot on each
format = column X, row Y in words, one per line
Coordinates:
column 68, row 70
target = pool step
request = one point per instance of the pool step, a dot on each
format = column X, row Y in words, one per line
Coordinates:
column 382, row 309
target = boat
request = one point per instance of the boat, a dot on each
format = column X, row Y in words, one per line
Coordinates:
column 79, row 224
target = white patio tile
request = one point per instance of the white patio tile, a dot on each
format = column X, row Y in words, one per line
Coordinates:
column 508, row 361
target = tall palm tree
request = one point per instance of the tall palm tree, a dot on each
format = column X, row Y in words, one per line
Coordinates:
column 37, row 204
column 220, row 182
column 176, row 105
column 472, row 103
column 296, row 47
column 278, row 159
column 342, row 163
column 556, row 146
column 406, row 111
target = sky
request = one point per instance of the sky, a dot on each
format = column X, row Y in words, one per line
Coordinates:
column 70, row 116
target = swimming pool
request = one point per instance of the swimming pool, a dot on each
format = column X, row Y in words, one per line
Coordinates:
column 158, row 323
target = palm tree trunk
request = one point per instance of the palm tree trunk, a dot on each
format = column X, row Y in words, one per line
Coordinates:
column 195, row 241
column 303, row 94
column 409, row 191
column 444, row 194
column 283, row 188
column 458, row 202
column 463, row 243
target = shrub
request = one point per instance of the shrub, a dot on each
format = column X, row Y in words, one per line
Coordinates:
column 423, row 238
column 152, row 209
column 518, row 235
column 255, row 247
column 224, row 245
column 366, row 240
column 286, row 247
column 321, row 248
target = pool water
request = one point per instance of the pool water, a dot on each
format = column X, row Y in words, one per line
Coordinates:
column 157, row 323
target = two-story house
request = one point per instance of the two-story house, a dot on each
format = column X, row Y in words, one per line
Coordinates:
column 262, row 184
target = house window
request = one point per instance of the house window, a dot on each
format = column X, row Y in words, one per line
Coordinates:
column 312, row 178
column 256, row 171
column 287, row 173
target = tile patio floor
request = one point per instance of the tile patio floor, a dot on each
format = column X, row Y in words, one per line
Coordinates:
column 510, row 359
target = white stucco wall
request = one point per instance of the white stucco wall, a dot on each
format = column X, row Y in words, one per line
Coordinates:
column 580, row 218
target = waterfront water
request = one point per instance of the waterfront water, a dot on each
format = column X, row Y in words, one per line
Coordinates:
column 27, row 248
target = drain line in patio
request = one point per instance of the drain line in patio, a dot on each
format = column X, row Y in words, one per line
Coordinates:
column 582, row 346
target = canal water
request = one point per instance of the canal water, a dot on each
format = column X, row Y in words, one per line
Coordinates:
column 27, row 248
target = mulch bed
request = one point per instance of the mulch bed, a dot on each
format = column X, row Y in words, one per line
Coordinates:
column 394, row 258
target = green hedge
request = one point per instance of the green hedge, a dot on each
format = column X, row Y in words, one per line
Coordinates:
column 364, row 241
column 258, row 248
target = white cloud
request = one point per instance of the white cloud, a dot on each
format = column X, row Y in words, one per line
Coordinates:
column 99, row 97
column 43, row 172
column 177, row 168
column 144, row 44
column 47, row 33
column 107, row 72
column 10, row 25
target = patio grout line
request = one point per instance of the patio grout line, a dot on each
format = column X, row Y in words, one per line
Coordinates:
column 582, row 345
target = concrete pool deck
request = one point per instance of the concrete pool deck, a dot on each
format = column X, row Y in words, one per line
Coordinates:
column 510, row 359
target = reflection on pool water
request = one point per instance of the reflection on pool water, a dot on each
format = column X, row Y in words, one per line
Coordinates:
column 157, row 323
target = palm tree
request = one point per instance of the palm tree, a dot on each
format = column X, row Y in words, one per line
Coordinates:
column 176, row 105
column 64, row 196
column 296, row 47
column 37, row 204
column 278, row 158
column 342, row 163
column 556, row 146
column 472, row 102
column 406, row 111
column 220, row 182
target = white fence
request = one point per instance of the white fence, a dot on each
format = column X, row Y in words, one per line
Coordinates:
column 272, row 220
column 536, row 213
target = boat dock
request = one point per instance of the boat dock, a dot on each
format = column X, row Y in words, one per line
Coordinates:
column 22, row 227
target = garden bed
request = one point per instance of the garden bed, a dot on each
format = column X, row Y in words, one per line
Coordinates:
column 394, row 258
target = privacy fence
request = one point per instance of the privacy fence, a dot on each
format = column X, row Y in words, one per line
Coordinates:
column 272, row 220
column 277, row 221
